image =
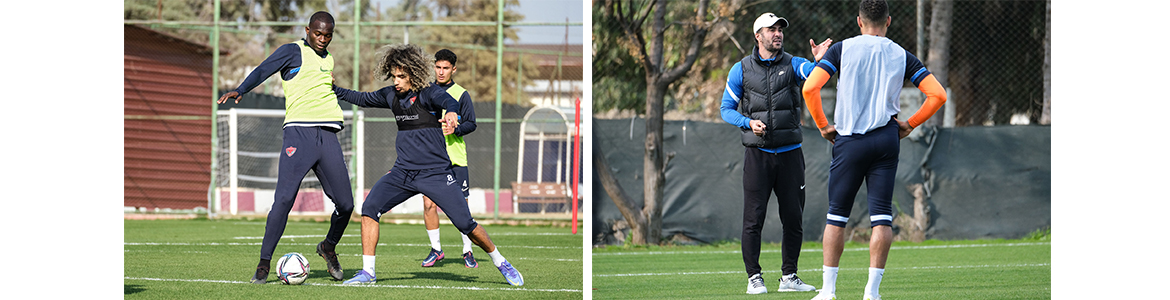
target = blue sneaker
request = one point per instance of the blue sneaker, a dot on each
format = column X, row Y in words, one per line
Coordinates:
column 362, row 277
column 469, row 260
column 511, row 275
column 435, row 256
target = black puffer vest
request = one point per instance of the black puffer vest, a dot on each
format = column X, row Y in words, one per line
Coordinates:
column 772, row 94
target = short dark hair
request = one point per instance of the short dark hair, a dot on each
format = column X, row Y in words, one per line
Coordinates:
column 874, row 11
column 446, row 55
column 321, row 16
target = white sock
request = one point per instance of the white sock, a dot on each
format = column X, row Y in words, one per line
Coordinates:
column 829, row 283
column 466, row 243
column 434, row 235
column 368, row 263
column 497, row 259
column 875, row 280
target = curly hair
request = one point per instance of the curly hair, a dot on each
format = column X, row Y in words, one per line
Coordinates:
column 408, row 58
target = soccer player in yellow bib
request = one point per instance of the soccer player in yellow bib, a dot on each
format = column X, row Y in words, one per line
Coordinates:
column 457, row 149
column 312, row 119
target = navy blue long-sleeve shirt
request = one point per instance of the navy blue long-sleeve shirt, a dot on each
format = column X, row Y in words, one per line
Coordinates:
column 466, row 111
column 286, row 60
column 418, row 149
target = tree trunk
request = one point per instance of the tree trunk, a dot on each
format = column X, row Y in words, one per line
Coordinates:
column 939, row 55
column 626, row 205
column 1046, row 113
column 653, row 165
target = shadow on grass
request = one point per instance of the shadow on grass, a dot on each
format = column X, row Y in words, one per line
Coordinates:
column 128, row 289
column 442, row 276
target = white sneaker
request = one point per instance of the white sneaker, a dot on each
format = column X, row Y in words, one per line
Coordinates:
column 756, row 285
column 872, row 297
column 792, row 283
column 825, row 296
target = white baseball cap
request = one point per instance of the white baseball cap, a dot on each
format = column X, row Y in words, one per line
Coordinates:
column 767, row 20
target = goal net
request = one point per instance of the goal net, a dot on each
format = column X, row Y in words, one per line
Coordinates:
column 248, row 160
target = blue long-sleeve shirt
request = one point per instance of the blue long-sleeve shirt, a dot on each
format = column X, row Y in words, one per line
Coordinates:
column 729, row 108
column 418, row 149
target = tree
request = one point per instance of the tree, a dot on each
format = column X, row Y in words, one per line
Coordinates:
column 1046, row 111
column 478, row 66
column 939, row 55
column 630, row 17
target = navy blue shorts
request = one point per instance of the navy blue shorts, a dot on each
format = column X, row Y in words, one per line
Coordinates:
column 871, row 157
column 462, row 178
column 439, row 184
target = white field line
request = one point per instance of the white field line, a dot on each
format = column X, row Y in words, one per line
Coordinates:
column 358, row 235
column 821, row 250
column 471, row 288
column 819, row 270
column 315, row 244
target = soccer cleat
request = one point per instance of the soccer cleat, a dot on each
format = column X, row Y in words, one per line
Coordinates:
column 511, row 275
column 435, row 256
column 792, row 283
column 362, row 277
column 261, row 276
column 872, row 297
column 469, row 260
column 825, row 296
column 756, row 285
column 331, row 263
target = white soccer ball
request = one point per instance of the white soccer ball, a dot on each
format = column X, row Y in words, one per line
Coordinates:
column 292, row 268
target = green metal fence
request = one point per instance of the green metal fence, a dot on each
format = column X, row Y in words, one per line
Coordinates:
column 351, row 33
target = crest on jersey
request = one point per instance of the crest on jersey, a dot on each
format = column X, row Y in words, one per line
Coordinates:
column 289, row 151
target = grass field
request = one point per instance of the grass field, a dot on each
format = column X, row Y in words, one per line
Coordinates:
column 209, row 259
column 982, row 269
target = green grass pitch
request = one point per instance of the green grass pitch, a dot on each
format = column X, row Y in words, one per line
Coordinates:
column 981, row 269
column 214, row 259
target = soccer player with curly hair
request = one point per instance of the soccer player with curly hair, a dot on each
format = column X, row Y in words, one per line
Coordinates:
column 423, row 165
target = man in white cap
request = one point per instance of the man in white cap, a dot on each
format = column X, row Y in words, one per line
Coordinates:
column 763, row 99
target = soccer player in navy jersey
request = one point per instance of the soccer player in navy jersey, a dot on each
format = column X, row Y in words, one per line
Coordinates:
column 311, row 122
column 871, row 71
column 423, row 165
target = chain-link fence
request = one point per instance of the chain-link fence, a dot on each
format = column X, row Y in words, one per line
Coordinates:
column 993, row 55
column 505, row 86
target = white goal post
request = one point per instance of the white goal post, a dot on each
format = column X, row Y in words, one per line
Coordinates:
column 248, row 157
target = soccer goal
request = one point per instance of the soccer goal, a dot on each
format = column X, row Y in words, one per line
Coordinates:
column 248, row 159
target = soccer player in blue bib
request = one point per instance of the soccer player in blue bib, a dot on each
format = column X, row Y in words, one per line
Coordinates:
column 423, row 165
column 312, row 119
column 871, row 70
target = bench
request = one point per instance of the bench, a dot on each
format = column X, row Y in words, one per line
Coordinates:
column 542, row 193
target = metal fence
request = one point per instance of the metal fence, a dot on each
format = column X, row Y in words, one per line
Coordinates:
column 996, row 72
column 506, row 80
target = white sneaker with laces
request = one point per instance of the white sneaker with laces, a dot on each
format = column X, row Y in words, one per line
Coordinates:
column 825, row 296
column 792, row 283
column 756, row 285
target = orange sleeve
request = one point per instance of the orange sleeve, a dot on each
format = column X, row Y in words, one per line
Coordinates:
column 812, row 95
column 936, row 96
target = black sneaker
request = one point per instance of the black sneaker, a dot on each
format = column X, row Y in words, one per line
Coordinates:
column 261, row 276
column 331, row 262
